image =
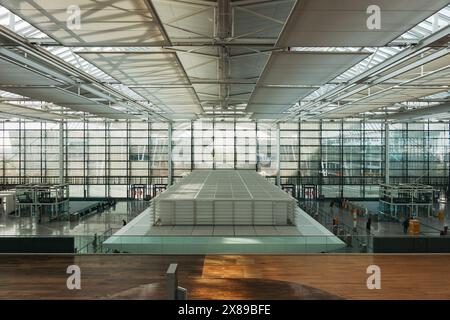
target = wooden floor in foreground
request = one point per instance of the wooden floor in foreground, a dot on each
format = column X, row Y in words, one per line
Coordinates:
column 226, row 276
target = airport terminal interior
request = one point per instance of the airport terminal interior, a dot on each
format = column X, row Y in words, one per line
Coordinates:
column 255, row 149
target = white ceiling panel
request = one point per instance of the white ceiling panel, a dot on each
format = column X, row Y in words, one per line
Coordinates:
column 51, row 94
column 275, row 99
column 241, row 91
column 13, row 74
column 199, row 66
column 307, row 68
column 248, row 67
column 265, row 116
column 262, row 19
column 139, row 68
column 267, row 108
column 331, row 23
column 67, row 99
column 184, row 20
column 402, row 94
column 170, row 87
column 118, row 115
column 274, row 95
column 113, row 23
column 207, row 91
column 386, row 98
column 177, row 99
column 26, row 112
column 180, row 116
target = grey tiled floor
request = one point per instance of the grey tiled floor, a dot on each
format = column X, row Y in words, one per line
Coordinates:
column 97, row 223
column 430, row 225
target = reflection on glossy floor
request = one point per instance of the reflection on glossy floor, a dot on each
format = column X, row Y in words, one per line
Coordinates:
column 88, row 225
column 227, row 276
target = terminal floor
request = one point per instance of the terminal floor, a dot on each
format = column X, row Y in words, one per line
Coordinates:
column 227, row 276
column 429, row 226
column 95, row 223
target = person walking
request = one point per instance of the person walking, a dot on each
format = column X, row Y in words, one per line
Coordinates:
column 406, row 225
column 332, row 208
column 368, row 224
column 441, row 216
column 94, row 243
column 316, row 215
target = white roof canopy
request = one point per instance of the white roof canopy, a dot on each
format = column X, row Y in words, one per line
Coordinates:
column 68, row 99
column 112, row 23
column 287, row 72
column 139, row 68
column 172, row 59
column 343, row 23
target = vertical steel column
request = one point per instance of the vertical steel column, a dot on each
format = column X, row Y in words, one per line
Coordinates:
column 321, row 167
column 107, row 160
column 66, row 154
column 299, row 164
column 405, row 145
column 213, row 146
column 87, row 157
column 42, row 153
column 363, row 155
column 20, row 152
column 85, row 179
column 278, row 155
column 192, row 145
column 169, row 154
column 386, row 152
column 3, row 155
column 448, row 165
column 257, row 146
column 223, row 32
column 235, row 147
column 24, row 149
column 150, row 155
column 341, row 147
column 61, row 152
column 128, row 159
column 428, row 148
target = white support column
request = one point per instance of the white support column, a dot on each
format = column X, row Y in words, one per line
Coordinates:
column 386, row 152
column 61, row 152
column 278, row 156
column 169, row 155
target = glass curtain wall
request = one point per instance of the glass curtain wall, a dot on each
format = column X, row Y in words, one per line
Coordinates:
column 113, row 159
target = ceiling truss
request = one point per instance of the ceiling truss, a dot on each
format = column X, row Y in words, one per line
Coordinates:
column 225, row 52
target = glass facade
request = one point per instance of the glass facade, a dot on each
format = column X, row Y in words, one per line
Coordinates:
column 340, row 159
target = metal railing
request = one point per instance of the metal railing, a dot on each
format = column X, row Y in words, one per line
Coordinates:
column 361, row 235
column 94, row 244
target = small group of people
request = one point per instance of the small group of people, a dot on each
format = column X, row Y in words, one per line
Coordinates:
column 343, row 203
column 340, row 203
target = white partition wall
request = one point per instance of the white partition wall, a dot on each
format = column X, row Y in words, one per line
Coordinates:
column 224, row 197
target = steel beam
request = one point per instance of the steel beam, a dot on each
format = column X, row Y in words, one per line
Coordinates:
column 418, row 113
column 391, row 62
